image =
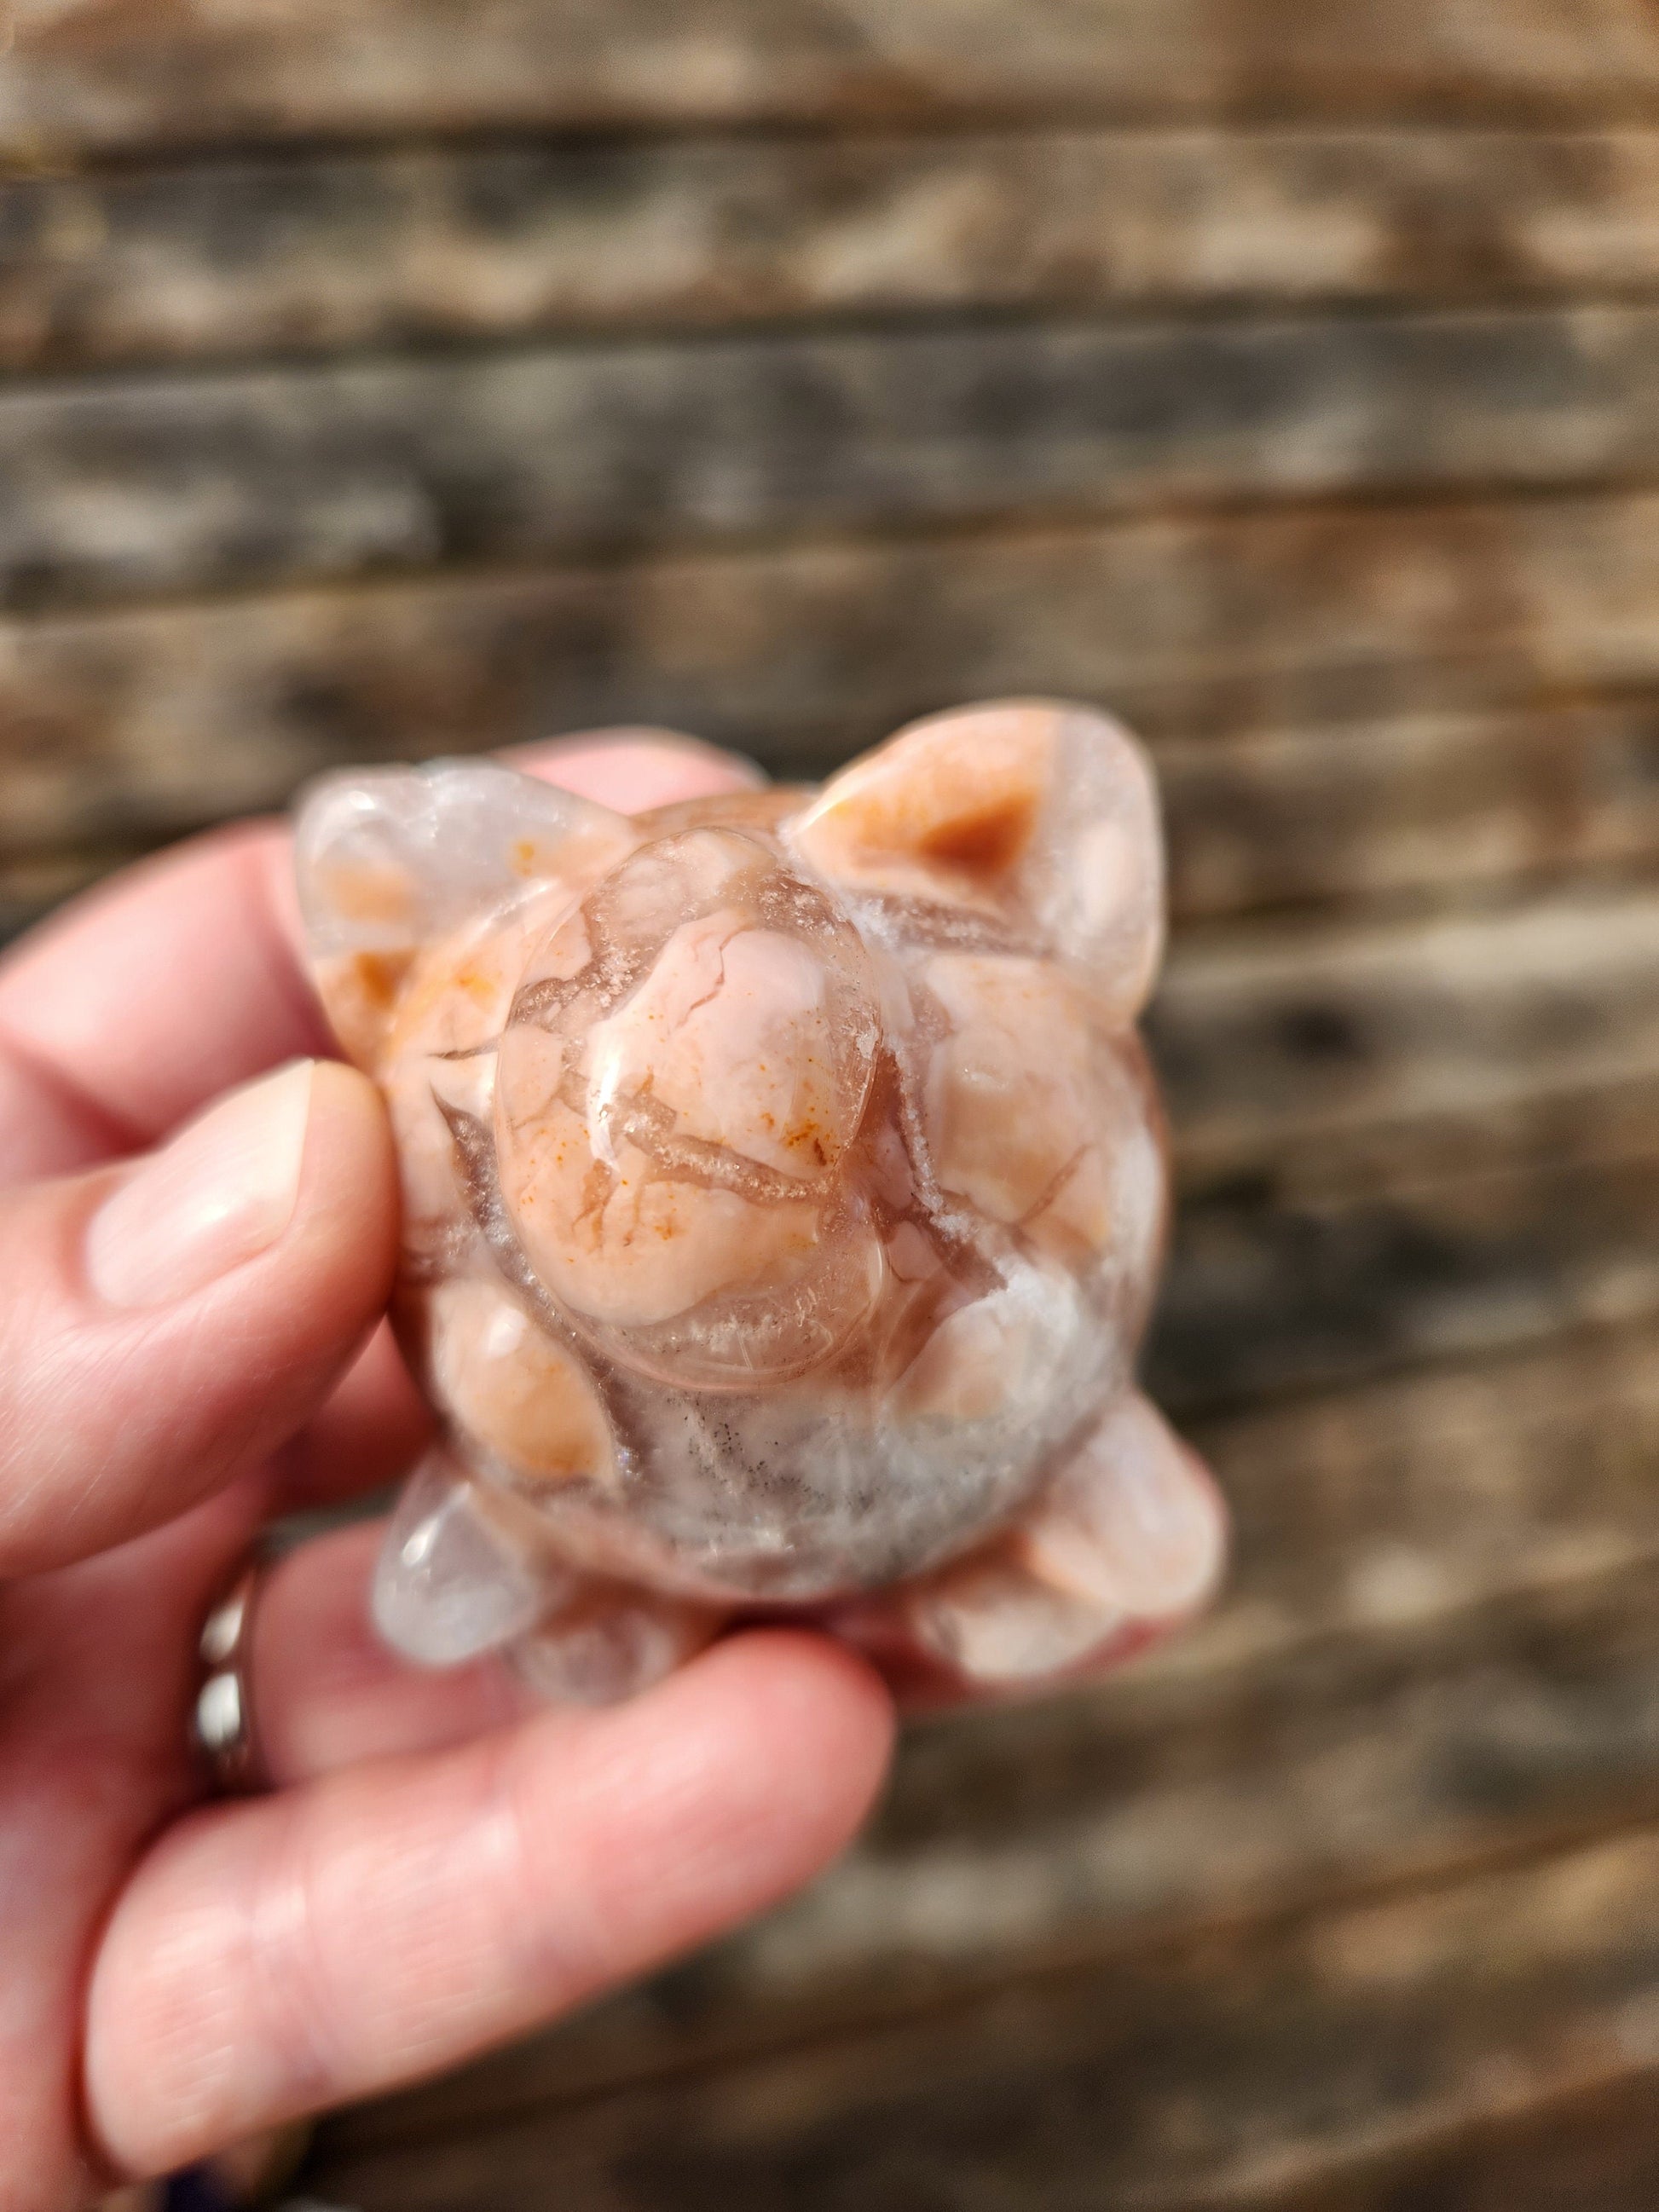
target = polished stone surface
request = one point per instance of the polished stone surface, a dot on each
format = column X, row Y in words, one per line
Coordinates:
column 784, row 1191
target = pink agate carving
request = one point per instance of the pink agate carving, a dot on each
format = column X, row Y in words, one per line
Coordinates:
column 784, row 1190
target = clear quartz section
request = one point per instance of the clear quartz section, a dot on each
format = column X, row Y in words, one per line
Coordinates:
column 452, row 1582
column 784, row 1192
column 608, row 1645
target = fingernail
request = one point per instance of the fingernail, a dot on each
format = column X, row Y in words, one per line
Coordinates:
column 735, row 771
column 223, row 1192
column 636, row 737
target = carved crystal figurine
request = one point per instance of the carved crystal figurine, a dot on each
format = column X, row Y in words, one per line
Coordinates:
column 783, row 1193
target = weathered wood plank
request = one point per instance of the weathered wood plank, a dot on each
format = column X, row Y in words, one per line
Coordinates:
column 1230, row 2070
column 1265, row 1294
column 1270, row 1038
column 1384, row 1507
column 85, row 78
column 1435, row 805
column 236, row 258
column 1102, row 1824
column 1600, row 2150
column 1432, row 806
column 1565, row 2154
column 1430, row 1651
column 122, row 724
column 1404, row 1142
column 165, row 486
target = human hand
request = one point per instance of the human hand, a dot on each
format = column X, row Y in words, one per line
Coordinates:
column 188, row 1348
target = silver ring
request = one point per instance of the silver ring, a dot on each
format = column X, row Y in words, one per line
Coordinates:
column 222, row 1724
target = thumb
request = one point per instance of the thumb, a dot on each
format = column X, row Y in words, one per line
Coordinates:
column 165, row 1323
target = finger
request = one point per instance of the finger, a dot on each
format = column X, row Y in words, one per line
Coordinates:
column 165, row 1325
column 273, row 1958
column 144, row 999
column 97, row 1671
column 372, row 1429
column 634, row 770
column 879, row 1629
column 327, row 1693
column 183, row 976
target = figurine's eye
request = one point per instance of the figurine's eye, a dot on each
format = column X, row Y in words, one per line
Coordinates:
column 686, row 1065
column 1040, row 815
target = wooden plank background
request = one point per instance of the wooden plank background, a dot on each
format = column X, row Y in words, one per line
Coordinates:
column 395, row 377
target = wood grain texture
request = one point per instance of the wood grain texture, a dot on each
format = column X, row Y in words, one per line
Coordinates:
column 1573, row 2147
column 237, row 256
column 87, row 76
column 399, row 377
column 1391, row 814
column 1386, row 1507
column 1405, row 1143
column 1233, row 2069
column 1427, row 806
column 166, row 486
column 1272, row 1039
column 1265, row 1294
column 1600, row 2148
column 1191, row 627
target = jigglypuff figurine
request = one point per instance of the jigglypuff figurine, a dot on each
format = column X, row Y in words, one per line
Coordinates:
column 784, row 1191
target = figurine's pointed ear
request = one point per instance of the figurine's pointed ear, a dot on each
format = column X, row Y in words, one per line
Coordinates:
column 1034, row 810
column 387, row 859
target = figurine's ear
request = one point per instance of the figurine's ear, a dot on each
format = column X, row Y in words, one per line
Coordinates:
column 1036, row 810
column 388, row 858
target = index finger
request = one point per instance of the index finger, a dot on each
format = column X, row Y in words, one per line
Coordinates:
column 336, row 1938
column 182, row 976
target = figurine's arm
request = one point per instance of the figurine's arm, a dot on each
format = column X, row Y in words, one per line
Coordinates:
column 1126, row 1543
